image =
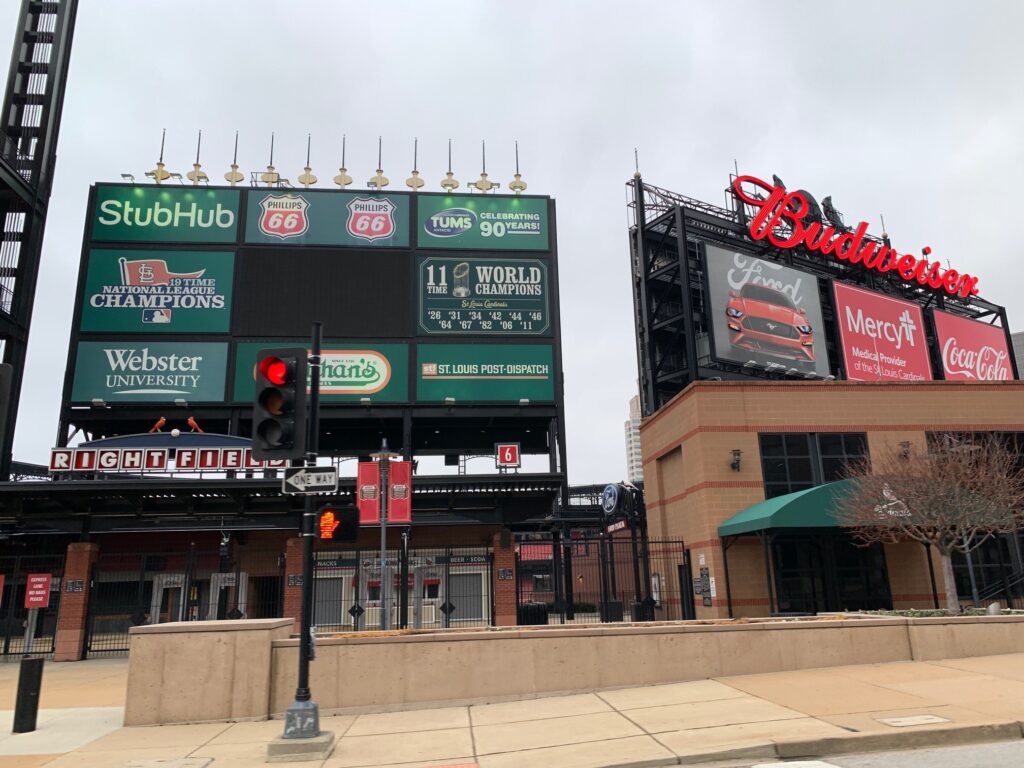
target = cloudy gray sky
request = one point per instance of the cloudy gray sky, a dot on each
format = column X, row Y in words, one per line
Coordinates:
column 911, row 109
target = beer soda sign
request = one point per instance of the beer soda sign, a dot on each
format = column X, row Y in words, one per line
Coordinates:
column 972, row 350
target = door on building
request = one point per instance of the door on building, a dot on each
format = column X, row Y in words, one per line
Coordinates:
column 825, row 572
column 167, row 603
column 228, row 592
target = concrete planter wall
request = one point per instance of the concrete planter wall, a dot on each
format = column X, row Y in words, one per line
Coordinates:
column 356, row 673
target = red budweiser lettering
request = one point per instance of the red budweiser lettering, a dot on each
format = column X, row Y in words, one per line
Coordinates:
column 779, row 207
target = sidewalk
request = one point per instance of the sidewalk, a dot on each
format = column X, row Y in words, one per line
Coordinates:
column 747, row 719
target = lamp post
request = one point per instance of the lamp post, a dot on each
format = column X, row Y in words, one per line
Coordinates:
column 384, row 456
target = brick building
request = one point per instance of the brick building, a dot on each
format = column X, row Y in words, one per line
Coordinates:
column 695, row 484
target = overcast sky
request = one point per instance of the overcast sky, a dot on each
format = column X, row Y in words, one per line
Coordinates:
column 911, row 109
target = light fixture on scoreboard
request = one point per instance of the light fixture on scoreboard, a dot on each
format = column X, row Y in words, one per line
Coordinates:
column 414, row 182
column 160, row 174
column 379, row 181
column 449, row 183
column 343, row 179
column 307, row 179
column 232, row 177
column 271, row 177
column 484, row 184
column 197, row 175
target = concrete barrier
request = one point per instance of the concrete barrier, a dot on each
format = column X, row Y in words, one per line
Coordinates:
column 201, row 671
column 186, row 674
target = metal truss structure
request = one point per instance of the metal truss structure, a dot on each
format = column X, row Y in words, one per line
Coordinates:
column 28, row 150
column 671, row 314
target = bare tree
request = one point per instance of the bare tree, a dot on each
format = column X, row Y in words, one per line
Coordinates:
column 955, row 495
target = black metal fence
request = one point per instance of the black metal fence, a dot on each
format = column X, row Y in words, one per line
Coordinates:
column 187, row 585
column 418, row 588
column 15, row 570
column 601, row 578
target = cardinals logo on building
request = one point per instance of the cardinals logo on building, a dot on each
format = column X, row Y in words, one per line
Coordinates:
column 371, row 218
column 284, row 216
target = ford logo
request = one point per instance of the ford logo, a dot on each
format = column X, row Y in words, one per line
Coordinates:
column 450, row 222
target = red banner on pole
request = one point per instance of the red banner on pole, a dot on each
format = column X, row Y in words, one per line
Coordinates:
column 368, row 492
column 400, row 492
column 37, row 590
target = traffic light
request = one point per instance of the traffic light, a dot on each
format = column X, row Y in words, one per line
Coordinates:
column 338, row 524
column 279, row 404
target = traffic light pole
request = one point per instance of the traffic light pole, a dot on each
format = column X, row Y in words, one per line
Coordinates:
column 302, row 718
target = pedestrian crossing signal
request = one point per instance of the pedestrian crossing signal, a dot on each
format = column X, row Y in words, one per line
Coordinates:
column 338, row 524
column 328, row 524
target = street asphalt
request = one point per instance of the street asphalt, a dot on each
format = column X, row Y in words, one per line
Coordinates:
column 999, row 755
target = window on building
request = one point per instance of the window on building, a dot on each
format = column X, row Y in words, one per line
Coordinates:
column 795, row 461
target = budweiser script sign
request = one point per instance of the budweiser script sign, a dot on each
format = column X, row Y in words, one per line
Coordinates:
column 791, row 219
column 972, row 350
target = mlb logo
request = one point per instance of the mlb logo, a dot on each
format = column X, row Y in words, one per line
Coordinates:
column 430, row 369
column 157, row 316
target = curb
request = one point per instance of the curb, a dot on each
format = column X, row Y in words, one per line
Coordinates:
column 880, row 742
column 855, row 743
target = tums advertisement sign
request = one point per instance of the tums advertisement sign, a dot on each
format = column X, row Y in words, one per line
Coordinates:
column 882, row 337
column 972, row 350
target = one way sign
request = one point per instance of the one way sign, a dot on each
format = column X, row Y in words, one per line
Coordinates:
column 310, row 480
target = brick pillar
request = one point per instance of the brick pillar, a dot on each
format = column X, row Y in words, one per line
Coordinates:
column 293, row 582
column 74, row 604
column 504, row 589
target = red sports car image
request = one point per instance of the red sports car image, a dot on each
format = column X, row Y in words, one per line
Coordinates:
column 765, row 320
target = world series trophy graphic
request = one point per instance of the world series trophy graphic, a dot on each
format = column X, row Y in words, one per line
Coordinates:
column 461, row 280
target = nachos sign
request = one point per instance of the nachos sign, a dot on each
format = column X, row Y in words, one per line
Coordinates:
column 371, row 218
column 284, row 216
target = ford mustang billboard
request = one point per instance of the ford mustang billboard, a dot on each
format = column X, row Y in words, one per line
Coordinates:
column 882, row 337
column 765, row 314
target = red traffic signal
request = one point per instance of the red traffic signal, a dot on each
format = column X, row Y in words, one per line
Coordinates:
column 279, row 404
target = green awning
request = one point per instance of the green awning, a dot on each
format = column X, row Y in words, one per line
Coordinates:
column 812, row 508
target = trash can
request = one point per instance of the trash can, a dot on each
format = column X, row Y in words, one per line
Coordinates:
column 532, row 614
column 643, row 611
column 611, row 610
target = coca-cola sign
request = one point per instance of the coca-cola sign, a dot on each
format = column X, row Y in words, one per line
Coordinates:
column 972, row 350
column 882, row 337
column 790, row 220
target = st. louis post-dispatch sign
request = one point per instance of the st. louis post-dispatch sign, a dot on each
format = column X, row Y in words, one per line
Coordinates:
column 158, row 291
column 364, row 219
column 971, row 350
column 485, row 372
column 482, row 222
column 165, row 214
column 348, row 371
column 146, row 371
column 501, row 297
column 882, row 338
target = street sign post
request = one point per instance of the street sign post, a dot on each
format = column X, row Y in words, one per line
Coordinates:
column 307, row 480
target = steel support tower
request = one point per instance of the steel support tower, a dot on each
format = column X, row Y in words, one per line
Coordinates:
column 28, row 151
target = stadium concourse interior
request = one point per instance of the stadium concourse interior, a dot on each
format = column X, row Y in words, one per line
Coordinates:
column 741, row 470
